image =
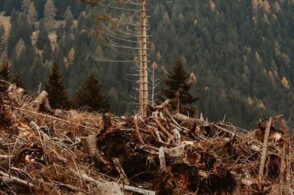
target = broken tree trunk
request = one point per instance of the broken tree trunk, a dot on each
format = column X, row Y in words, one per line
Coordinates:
column 184, row 118
column 121, row 171
column 41, row 103
column 264, row 149
column 90, row 143
column 106, row 122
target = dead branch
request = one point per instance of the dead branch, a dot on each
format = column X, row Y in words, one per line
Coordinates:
column 137, row 131
column 5, row 156
column 162, row 128
column 184, row 118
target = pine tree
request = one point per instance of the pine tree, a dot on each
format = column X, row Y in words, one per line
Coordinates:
column 47, row 53
column 266, row 6
column 4, row 73
column 43, row 38
column 32, row 14
column 25, row 5
column 56, row 89
column 69, row 19
column 178, row 87
column 4, row 69
column 49, row 13
column 10, row 5
column 20, row 29
column 18, row 81
column 90, row 95
column 2, row 40
column 254, row 4
column 68, row 13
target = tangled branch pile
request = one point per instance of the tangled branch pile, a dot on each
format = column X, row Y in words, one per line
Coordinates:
column 45, row 151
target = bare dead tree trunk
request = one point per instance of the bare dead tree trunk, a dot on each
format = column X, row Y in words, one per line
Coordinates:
column 143, row 72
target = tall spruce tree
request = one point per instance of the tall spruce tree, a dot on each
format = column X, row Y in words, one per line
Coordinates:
column 56, row 89
column 49, row 13
column 32, row 14
column 25, row 5
column 90, row 95
column 43, row 37
column 69, row 20
column 178, row 88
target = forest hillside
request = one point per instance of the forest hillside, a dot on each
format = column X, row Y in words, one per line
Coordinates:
column 241, row 52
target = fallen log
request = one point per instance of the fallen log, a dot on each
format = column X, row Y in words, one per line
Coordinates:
column 184, row 118
column 264, row 150
column 9, row 178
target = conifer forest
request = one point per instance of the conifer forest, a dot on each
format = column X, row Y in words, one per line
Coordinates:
column 240, row 52
column 117, row 97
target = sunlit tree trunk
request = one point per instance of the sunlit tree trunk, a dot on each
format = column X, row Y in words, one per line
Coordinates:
column 143, row 72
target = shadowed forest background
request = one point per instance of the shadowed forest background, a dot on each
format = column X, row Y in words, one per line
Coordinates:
column 240, row 51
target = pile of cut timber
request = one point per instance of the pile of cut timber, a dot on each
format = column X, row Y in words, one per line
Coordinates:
column 47, row 151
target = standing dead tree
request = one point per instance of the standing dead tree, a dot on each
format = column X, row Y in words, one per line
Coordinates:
column 143, row 72
column 126, row 32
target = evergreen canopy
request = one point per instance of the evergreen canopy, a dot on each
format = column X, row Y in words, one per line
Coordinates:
column 178, row 87
column 90, row 95
column 56, row 89
column 4, row 70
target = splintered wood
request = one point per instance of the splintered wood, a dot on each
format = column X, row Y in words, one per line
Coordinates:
column 45, row 151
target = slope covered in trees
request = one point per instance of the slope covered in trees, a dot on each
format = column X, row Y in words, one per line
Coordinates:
column 240, row 51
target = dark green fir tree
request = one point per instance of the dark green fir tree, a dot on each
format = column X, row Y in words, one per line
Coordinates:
column 90, row 95
column 4, row 73
column 4, row 69
column 43, row 40
column 56, row 89
column 177, row 89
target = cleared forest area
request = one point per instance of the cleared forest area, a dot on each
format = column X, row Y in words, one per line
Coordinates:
column 45, row 150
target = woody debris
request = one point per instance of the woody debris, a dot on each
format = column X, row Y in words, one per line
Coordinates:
column 47, row 151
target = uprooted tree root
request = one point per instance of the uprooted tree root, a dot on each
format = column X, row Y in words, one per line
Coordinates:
column 46, row 151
